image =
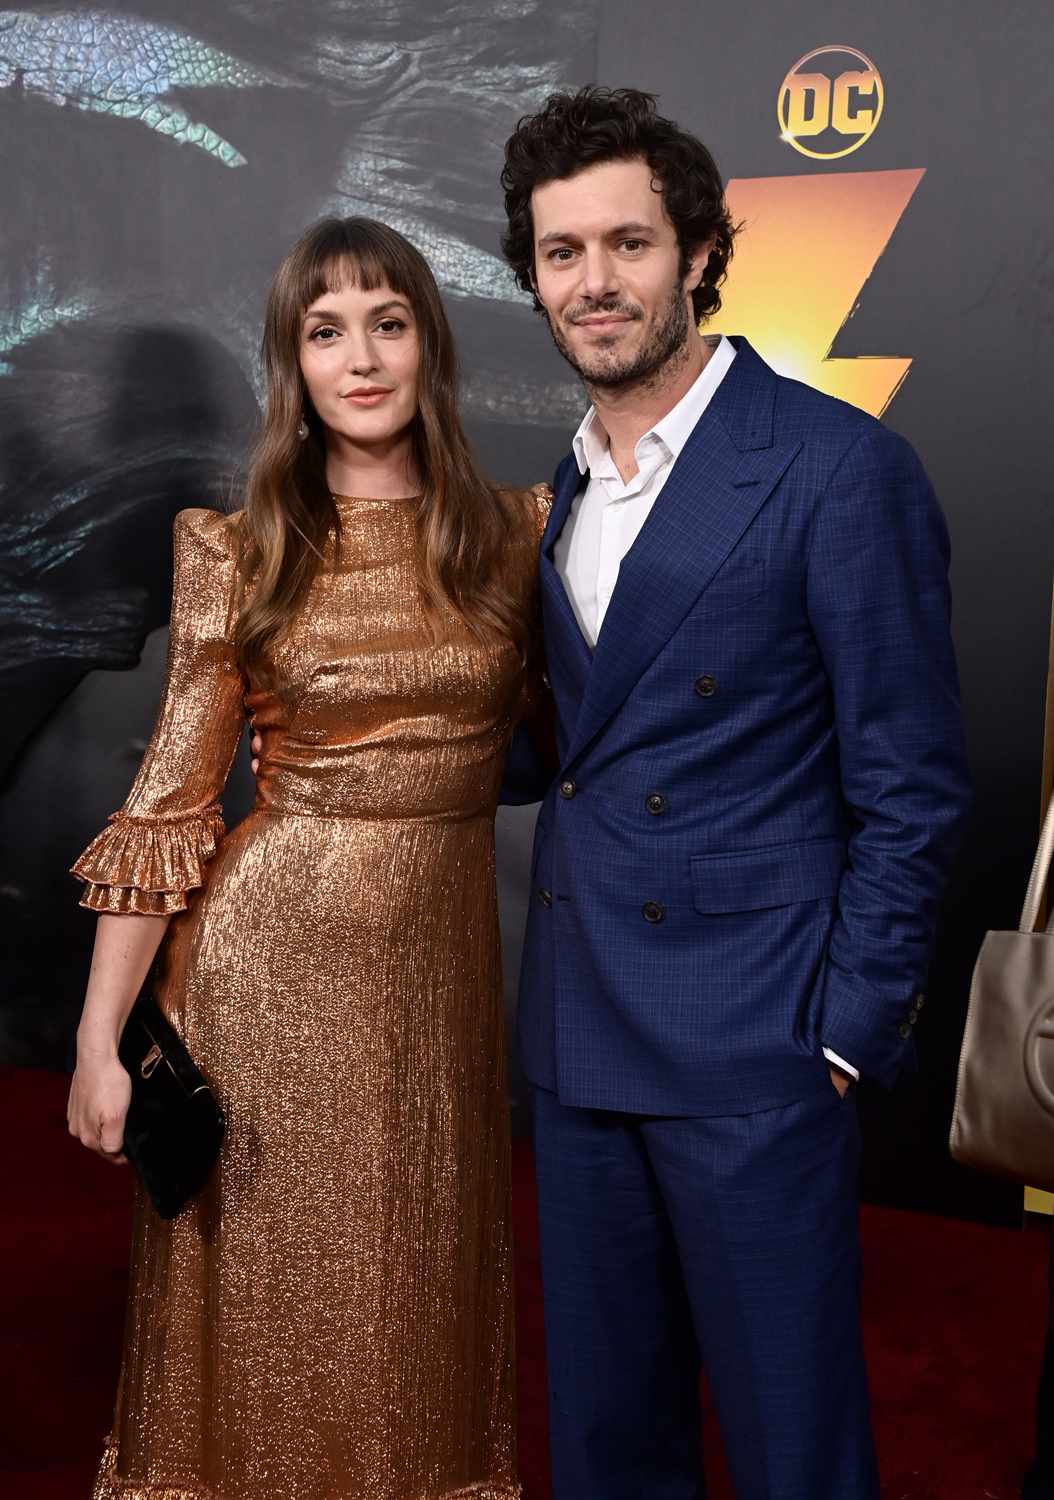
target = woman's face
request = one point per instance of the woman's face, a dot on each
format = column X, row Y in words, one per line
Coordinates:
column 360, row 354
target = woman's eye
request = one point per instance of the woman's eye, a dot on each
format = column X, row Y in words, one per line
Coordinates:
column 316, row 335
column 390, row 325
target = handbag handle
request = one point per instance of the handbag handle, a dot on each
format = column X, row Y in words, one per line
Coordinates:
column 1038, row 879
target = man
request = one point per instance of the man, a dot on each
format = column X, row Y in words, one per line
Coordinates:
column 736, row 871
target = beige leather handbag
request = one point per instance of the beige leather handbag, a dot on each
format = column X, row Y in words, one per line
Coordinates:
column 1004, row 1103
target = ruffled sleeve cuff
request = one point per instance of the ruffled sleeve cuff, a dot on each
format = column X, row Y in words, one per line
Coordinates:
column 148, row 865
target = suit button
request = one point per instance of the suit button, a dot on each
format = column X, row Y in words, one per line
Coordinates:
column 653, row 912
column 545, row 680
column 706, row 686
column 567, row 789
column 545, row 897
column 656, row 803
column 904, row 1029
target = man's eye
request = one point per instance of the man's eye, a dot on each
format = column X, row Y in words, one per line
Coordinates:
column 560, row 253
column 633, row 244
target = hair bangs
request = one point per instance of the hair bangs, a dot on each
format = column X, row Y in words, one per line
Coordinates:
column 356, row 253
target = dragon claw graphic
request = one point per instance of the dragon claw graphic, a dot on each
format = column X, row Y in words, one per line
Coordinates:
column 119, row 65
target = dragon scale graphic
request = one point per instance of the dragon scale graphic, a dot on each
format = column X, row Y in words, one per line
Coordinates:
column 118, row 65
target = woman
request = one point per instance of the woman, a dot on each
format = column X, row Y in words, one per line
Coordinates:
column 331, row 1318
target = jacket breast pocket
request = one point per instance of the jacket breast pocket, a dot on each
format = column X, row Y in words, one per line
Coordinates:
column 741, row 579
column 756, row 879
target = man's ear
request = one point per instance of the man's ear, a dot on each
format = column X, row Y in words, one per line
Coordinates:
column 538, row 303
column 697, row 263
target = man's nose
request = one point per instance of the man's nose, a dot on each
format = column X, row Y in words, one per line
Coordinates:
column 598, row 274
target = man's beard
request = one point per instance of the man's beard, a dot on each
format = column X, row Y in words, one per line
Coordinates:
column 608, row 370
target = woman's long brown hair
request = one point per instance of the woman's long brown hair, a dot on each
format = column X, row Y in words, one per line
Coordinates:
column 464, row 525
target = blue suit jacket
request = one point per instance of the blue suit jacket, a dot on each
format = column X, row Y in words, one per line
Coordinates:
column 762, row 781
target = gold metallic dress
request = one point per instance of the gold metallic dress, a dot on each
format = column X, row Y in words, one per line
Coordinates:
column 331, row 1319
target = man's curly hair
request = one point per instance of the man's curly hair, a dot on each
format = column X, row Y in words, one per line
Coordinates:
column 579, row 130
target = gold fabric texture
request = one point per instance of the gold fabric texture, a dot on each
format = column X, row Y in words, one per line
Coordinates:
column 331, row 1319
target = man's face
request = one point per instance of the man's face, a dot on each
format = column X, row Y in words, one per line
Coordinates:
column 608, row 272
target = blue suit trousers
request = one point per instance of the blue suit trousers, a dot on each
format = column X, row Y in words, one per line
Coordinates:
column 728, row 1243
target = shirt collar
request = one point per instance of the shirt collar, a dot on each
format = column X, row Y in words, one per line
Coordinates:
column 590, row 442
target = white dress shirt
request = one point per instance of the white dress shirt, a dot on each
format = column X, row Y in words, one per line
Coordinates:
column 607, row 515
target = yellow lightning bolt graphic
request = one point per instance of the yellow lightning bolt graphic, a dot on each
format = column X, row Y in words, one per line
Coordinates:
column 808, row 246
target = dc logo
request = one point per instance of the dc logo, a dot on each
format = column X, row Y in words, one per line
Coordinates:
column 830, row 102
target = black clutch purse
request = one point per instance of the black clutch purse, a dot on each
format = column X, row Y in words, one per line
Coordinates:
column 174, row 1126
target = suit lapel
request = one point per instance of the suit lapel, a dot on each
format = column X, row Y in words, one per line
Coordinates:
column 724, row 474
column 566, row 483
column 568, row 655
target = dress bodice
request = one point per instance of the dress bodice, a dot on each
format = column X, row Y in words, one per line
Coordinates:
column 370, row 715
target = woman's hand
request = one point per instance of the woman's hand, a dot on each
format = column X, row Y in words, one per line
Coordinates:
column 101, row 1090
column 98, row 1103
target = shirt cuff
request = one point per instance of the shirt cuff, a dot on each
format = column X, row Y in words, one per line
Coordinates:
column 840, row 1062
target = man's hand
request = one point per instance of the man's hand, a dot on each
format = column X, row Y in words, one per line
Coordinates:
column 256, row 746
column 840, row 1080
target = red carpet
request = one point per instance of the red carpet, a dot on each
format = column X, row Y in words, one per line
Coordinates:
column 954, row 1322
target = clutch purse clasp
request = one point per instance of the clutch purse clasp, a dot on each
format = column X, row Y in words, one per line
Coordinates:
column 150, row 1061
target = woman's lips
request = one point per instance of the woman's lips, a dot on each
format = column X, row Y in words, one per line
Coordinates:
column 366, row 398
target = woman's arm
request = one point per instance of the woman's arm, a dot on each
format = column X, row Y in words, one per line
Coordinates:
column 124, row 950
column 141, row 869
column 532, row 760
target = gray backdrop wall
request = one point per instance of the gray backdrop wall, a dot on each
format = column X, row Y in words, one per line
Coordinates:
column 157, row 161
